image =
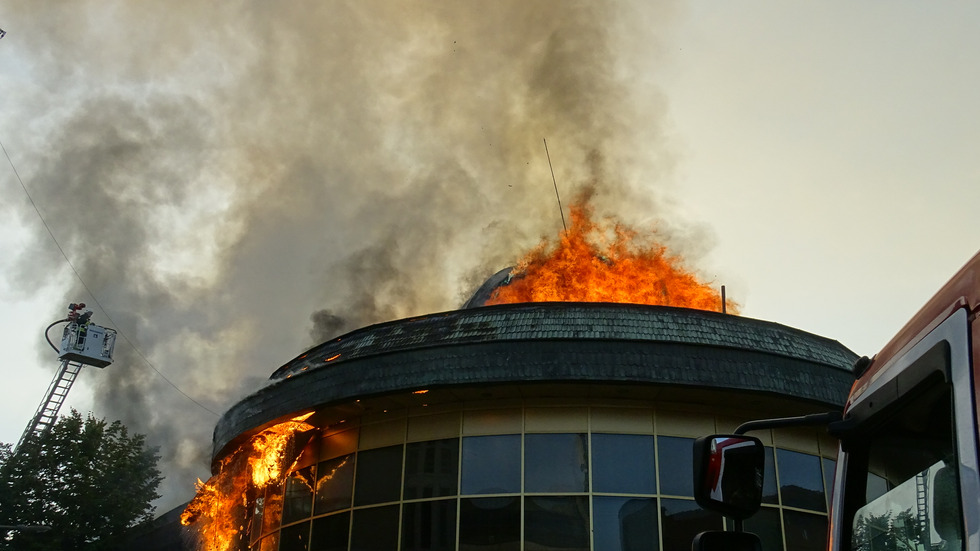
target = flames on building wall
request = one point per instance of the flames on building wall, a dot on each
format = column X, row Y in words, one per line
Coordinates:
column 225, row 505
column 593, row 261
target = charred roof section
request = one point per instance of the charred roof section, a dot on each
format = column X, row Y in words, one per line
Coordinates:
column 571, row 321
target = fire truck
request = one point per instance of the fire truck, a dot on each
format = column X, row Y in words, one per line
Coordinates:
column 907, row 466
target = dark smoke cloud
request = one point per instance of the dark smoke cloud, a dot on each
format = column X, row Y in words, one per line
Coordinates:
column 232, row 179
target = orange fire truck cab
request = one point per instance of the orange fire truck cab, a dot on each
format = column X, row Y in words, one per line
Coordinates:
column 907, row 468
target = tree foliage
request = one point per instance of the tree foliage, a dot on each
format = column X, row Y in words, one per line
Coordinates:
column 87, row 479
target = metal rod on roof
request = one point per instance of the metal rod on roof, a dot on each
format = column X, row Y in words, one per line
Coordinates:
column 562, row 212
column 723, row 307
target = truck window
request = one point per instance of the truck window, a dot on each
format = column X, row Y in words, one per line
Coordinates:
column 910, row 499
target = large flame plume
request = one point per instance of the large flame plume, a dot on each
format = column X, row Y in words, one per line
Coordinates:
column 221, row 511
column 605, row 261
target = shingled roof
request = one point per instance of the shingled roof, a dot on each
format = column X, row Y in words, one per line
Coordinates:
column 572, row 321
column 564, row 343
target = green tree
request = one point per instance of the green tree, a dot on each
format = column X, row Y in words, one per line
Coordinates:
column 88, row 480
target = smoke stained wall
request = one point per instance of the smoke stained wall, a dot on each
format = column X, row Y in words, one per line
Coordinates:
column 236, row 182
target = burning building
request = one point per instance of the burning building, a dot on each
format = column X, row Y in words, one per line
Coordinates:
column 551, row 412
column 558, row 425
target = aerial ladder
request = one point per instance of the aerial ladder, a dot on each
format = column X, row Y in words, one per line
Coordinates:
column 82, row 343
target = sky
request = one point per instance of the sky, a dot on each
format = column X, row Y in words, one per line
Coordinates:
column 235, row 183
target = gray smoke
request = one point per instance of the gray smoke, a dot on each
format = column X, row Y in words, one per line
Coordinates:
column 232, row 179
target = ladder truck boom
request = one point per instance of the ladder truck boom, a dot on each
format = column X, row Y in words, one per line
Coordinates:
column 82, row 343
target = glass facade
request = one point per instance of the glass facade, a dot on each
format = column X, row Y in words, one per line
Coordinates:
column 527, row 479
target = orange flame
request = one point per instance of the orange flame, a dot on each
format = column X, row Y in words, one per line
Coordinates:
column 605, row 262
column 220, row 511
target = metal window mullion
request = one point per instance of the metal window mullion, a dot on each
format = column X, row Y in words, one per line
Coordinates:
column 520, row 496
column 459, row 478
column 656, row 472
column 588, row 463
column 779, row 488
column 401, row 487
column 353, row 485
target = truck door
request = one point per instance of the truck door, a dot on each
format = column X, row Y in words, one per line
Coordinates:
column 908, row 458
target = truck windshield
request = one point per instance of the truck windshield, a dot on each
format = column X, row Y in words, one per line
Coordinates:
column 910, row 497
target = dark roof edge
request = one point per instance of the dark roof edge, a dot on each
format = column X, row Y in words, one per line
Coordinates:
column 607, row 315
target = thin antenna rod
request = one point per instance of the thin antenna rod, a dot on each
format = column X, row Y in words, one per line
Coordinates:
column 562, row 212
column 724, row 307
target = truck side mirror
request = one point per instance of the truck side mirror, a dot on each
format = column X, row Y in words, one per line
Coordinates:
column 728, row 474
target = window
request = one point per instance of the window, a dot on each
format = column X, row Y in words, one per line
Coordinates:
column 829, row 466
column 429, row 526
column 770, row 491
column 375, row 529
column 431, row 468
column 801, row 480
column 623, row 464
column 556, row 523
column 379, row 476
column 676, row 466
column 490, row 523
column 295, row 537
column 298, row 499
column 330, row 533
column 766, row 525
column 491, row 464
column 556, row 463
column 270, row 542
column 272, row 509
column 682, row 520
column 334, row 484
column 805, row 531
column 625, row 524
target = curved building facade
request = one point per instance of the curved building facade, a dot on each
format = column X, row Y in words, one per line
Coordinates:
column 542, row 426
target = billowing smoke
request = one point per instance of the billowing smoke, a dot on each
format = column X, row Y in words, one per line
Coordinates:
column 232, row 179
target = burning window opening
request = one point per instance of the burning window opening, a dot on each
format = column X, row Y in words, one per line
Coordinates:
column 224, row 505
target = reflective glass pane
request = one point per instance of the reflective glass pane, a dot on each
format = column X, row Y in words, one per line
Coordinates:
column 829, row 466
column 556, row 463
column 375, row 529
column 623, row 464
column 681, row 520
column 491, row 464
column 334, row 484
column 490, row 524
column 805, row 531
column 877, row 486
column 429, row 526
column 676, row 465
column 765, row 524
column 556, row 523
column 270, row 543
column 295, row 537
column 272, row 511
column 625, row 524
column 770, row 491
column 330, row 533
column 297, row 502
column 801, row 480
column 431, row 468
column 379, row 476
